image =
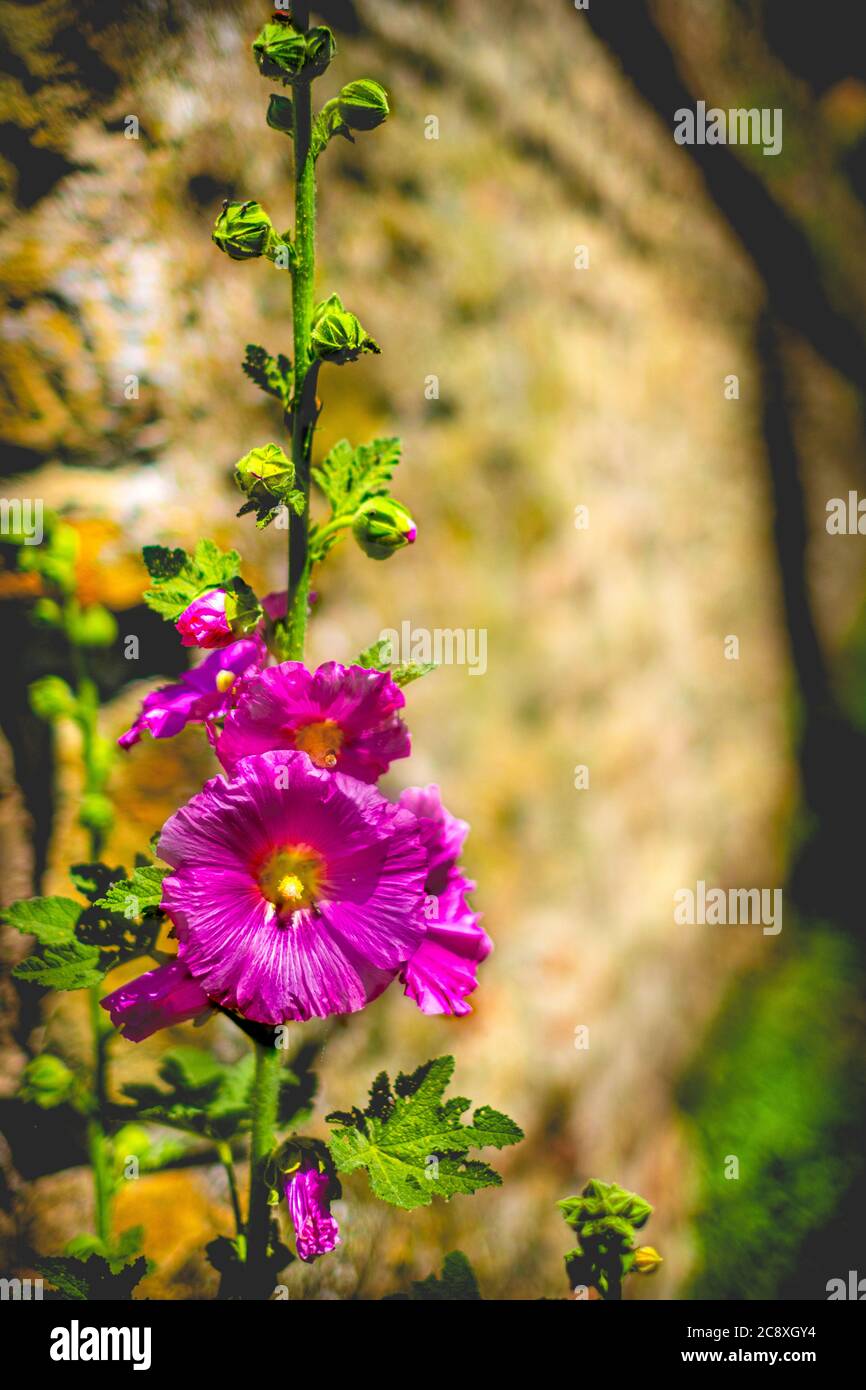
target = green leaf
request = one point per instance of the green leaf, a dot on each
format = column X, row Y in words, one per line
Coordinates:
column 51, row 920
column 204, row 1096
column 349, row 477
column 178, row 578
column 458, row 1284
column 413, row 1143
column 94, row 880
column 274, row 375
column 70, row 965
column 402, row 674
column 135, row 896
column 92, row 1278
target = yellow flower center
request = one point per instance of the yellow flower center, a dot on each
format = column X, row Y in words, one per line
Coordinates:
column 322, row 742
column 224, row 681
column 291, row 878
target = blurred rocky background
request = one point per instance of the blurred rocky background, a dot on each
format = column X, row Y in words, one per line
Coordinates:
column 558, row 387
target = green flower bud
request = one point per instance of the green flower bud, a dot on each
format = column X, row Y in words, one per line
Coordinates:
column 244, row 231
column 51, row 698
column 96, row 812
column 47, row 613
column 337, row 335
column 47, row 1081
column 381, row 526
column 647, row 1260
column 280, row 113
column 363, row 104
column 265, row 473
column 284, row 52
column 93, row 627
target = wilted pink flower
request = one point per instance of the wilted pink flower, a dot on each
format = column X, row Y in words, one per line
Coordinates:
column 158, row 999
column 296, row 892
column 443, row 970
column 205, row 623
column 316, row 1231
column 342, row 717
column 202, row 695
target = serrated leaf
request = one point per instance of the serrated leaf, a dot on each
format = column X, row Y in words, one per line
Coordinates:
column 348, row 476
column 457, row 1284
column 176, row 584
column 134, row 896
column 273, row 375
column 69, row 965
column 94, row 880
column 204, row 1096
column 373, row 659
column 51, row 920
column 412, row 1142
column 92, row 1278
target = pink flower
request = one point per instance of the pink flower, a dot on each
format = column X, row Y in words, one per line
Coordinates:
column 316, row 1231
column 202, row 695
column 443, row 970
column 296, row 892
column 205, row 623
column 158, row 999
column 342, row 717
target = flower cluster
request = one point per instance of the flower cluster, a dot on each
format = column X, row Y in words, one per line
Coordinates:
column 297, row 889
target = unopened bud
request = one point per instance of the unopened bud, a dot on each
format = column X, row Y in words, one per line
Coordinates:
column 383, row 525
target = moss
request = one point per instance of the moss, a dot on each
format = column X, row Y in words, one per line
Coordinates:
column 776, row 1086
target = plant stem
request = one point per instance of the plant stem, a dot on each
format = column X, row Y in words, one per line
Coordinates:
column 266, row 1093
column 304, row 398
column 98, row 1142
column 227, row 1160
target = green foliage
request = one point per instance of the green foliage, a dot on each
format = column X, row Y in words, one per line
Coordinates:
column 605, row 1218
column 273, row 375
column 778, row 1083
column 179, row 579
column 83, row 1280
column 458, row 1284
column 212, row 1099
column 51, row 920
column 348, row 477
column 373, row 658
column 79, row 943
column 413, row 1143
column 136, row 896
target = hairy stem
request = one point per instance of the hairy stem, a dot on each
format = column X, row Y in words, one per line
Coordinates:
column 98, row 1142
column 266, row 1093
column 304, row 399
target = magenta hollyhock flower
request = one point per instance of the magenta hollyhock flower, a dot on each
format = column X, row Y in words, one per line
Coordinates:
column 443, row 970
column 202, row 695
column 156, row 1000
column 205, row 623
column 316, row 1231
column 296, row 893
column 342, row 717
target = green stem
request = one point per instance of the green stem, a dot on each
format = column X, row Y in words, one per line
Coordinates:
column 98, row 1142
column 266, row 1093
column 304, row 398
column 227, row 1161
